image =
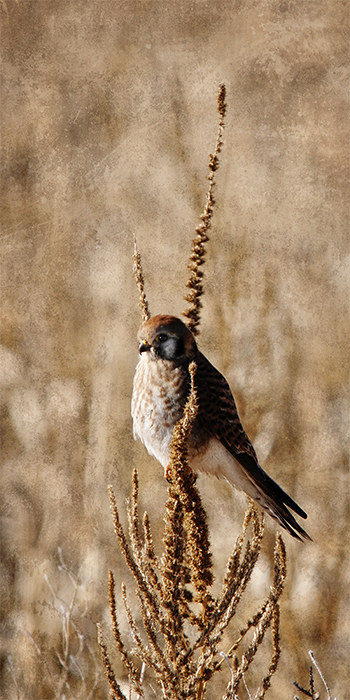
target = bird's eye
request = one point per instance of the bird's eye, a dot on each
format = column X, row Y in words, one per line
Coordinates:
column 161, row 338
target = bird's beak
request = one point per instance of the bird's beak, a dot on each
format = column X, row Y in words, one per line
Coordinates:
column 144, row 347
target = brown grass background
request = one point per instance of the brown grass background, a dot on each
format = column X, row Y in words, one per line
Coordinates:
column 108, row 116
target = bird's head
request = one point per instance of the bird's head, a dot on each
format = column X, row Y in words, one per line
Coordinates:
column 167, row 338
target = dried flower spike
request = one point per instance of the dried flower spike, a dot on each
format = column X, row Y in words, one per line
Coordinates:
column 137, row 269
column 197, row 257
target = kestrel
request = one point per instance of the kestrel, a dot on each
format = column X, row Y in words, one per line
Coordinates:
column 217, row 444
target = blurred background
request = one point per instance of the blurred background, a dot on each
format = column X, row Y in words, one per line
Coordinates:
column 108, row 117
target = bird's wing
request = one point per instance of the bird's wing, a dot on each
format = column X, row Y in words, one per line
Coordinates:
column 217, row 413
column 217, row 408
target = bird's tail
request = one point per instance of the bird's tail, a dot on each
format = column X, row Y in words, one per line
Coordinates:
column 277, row 503
column 273, row 498
column 278, row 510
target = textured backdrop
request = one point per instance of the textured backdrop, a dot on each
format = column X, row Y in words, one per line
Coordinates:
column 108, row 117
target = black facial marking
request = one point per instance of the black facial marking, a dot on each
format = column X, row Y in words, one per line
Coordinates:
column 169, row 347
column 180, row 347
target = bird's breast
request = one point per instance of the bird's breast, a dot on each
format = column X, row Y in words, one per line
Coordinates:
column 158, row 399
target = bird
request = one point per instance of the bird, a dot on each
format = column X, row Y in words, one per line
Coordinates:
column 217, row 444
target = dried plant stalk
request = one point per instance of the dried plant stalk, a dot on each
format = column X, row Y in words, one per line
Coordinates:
column 137, row 269
column 115, row 691
column 197, row 257
column 182, row 479
column 117, row 638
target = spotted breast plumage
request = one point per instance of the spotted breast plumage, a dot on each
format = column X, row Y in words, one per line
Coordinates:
column 218, row 444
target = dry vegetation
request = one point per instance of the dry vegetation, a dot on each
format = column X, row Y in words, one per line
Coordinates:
column 107, row 119
column 182, row 621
